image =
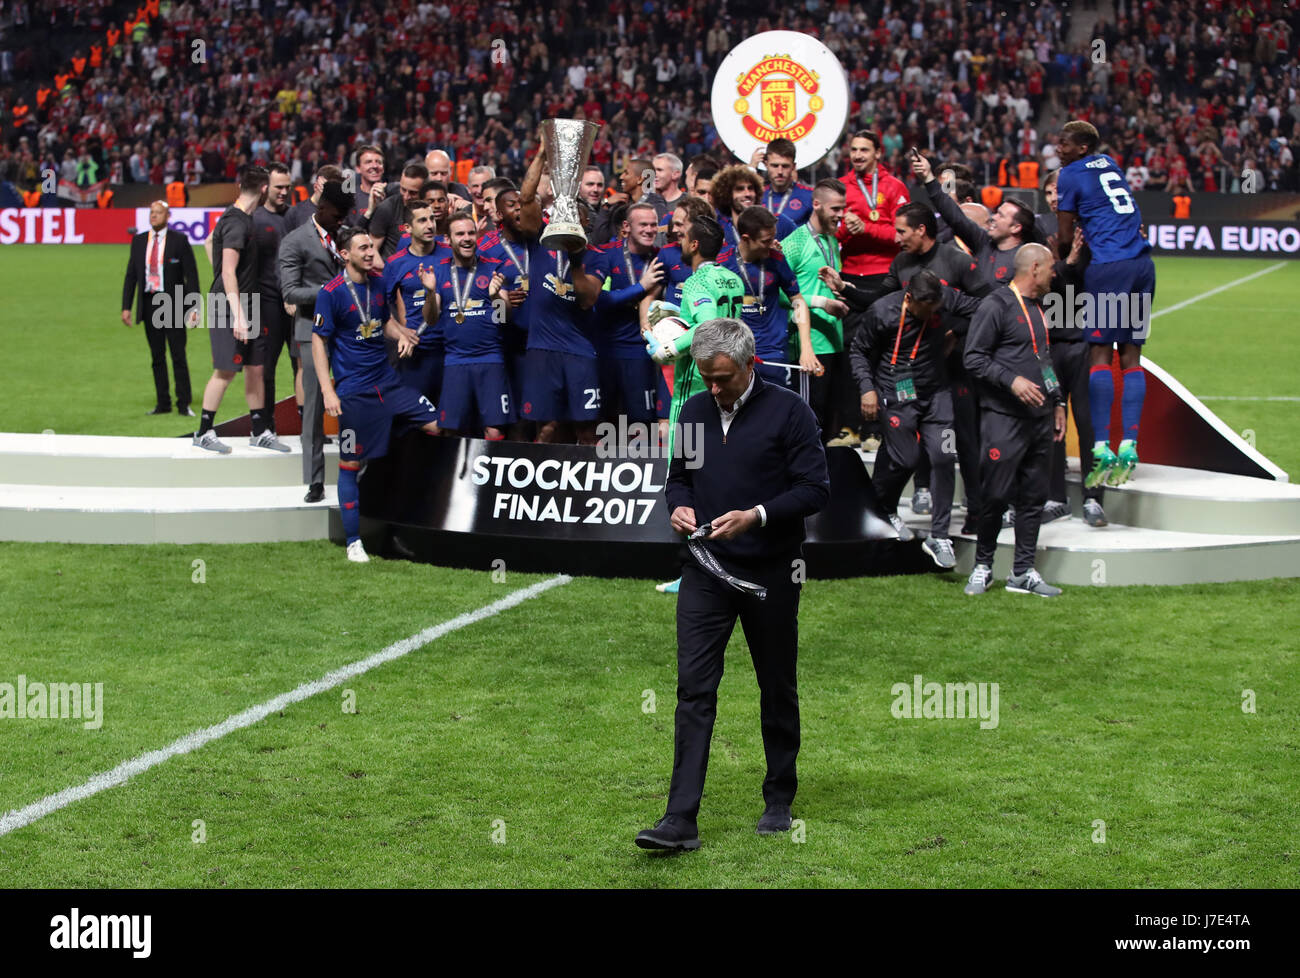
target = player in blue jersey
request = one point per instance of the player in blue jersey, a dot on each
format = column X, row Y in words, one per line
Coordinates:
column 629, row 378
column 1121, row 281
column 365, row 393
column 735, row 188
column 766, row 275
column 422, row 368
column 434, row 192
column 784, row 196
column 510, row 245
column 561, row 377
column 464, row 288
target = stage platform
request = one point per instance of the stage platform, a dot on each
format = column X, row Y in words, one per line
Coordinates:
column 99, row 489
column 1169, row 525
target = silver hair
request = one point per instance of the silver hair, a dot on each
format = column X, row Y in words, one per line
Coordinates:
column 723, row 337
column 674, row 161
column 491, row 172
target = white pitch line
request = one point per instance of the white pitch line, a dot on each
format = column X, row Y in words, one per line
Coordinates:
column 193, row 741
column 1216, row 291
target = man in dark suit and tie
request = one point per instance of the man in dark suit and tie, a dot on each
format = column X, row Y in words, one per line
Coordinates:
column 759, row 471
column 161, row 265
column 309, row 259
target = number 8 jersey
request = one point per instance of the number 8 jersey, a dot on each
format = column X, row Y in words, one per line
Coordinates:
column 1094, row 189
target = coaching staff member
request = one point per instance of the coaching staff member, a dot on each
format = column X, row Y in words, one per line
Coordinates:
column 1022, row 412
column 162, row 262
column 309, row 259
column 763, row 471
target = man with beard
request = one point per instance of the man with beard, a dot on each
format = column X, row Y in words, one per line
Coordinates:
column 462, row 288
column 629, row 381
column 422, row 367
column 784, row 194
column 734, row 189
column 766, row 275
column 561, row 375
column 1010, row 226
column 512, row 247
column 866, row 236
column 301, row 212
column 386, row 222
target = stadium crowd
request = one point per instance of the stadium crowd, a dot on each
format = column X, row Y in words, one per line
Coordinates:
column 194, row 92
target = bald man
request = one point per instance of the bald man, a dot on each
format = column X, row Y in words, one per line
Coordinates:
column 161, row 271
column 439, row 165
column 1022, row 412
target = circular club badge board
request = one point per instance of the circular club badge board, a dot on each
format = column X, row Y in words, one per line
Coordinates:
column 781, row 84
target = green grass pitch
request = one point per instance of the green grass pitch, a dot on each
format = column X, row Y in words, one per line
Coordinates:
column 521, row 751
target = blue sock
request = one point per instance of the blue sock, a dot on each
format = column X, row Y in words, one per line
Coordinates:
column 1130, row 405
column 1101, row 395
column 349, row 499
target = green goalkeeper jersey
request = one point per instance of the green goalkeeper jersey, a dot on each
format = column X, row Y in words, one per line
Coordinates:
column 712, row 292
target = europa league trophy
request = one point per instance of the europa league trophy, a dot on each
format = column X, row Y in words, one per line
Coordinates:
column 568, row 147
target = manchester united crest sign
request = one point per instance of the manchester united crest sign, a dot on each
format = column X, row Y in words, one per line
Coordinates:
column 781, row 84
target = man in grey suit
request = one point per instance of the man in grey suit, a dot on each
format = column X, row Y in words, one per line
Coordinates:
column 308, row 259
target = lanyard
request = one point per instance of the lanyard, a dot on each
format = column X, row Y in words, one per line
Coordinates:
column 1046, row 339
column 511, row 252
column 561, row 264
column 740, row 264
column 362, row 311
column 898, row 338
column 875, row 183
column 785, row 199
column 627, row 263
column 462, row 297
column 827, row 253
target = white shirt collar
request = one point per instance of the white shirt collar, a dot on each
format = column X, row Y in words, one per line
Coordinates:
column 740, row 401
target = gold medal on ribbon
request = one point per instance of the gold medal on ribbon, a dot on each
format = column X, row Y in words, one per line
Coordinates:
column 874, row 215
column 460, row 317
column 368, row 328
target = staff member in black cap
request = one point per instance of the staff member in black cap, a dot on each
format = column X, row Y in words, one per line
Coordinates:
column 762, row 471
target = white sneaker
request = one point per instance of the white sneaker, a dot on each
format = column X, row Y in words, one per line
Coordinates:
column 357, row 553
column 210, row 441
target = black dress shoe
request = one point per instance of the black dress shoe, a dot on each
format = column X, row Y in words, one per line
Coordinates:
column 184, row 411
column 315, row 493
column 159, row 409
column 775, row 820
column 670, row 832
column 970, row 529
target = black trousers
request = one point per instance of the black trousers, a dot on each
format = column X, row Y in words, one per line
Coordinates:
column 160, row 341
column 1070, row 360
column 1016, row 465
column 279, row 334
column 825, row 396
column 966, row 423
column 707, row 610
column 850, row 400
column 925, row 422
